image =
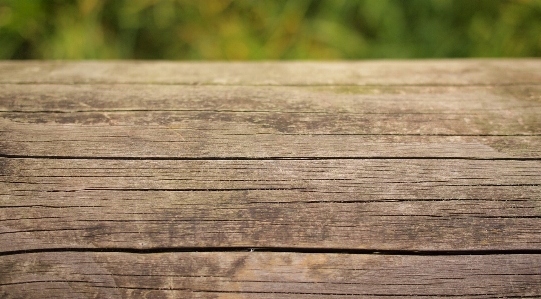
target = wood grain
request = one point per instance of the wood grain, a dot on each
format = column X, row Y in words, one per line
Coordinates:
column 360, row 203
column 216, row 121
column 377, row 179
column 267, row 275
column 441, row 72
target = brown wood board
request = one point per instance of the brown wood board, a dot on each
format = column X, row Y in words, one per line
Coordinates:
column 364, row 179
column 440, row 72
column 89, row 120
column 267, row 275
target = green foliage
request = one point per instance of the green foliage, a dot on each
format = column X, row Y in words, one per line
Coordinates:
column 279, row 29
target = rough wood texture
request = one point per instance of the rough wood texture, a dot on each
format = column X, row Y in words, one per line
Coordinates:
column 177, row 170
column 267, row 275
column 355, row 203
column 443, row 72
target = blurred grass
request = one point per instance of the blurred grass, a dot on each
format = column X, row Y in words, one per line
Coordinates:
column 254, row 30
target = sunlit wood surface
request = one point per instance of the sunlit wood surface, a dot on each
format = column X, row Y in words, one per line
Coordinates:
column 380, row 179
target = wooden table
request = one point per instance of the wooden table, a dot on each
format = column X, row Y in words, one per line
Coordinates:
column 385, row 179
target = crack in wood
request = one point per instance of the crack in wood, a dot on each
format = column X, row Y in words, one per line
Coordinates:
column 307, row 250
column 392, row 180
column 202, row 84
column 151, row 158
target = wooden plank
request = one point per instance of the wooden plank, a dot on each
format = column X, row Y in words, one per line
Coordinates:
column 213, row 139
column 420, row 72
column 384, row 175
column 216, row 121
column 147, row 142
column 267, row 275
column 293, row 99
column 367, row 179
column 403, row 204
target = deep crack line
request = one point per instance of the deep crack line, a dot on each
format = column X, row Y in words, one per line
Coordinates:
column 316, row 84
column 229, row 158
column 305, row 250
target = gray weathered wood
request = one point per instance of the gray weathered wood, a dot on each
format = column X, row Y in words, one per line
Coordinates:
column 437, row 164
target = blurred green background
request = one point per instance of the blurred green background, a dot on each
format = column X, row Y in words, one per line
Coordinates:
column 255, row 30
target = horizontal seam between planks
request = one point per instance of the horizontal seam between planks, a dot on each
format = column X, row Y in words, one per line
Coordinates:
column 312, row 134
column 249, row 111
column 384, row 201
column 185, row 189
column 228, row 158
column 96, row 82
column 279, row 250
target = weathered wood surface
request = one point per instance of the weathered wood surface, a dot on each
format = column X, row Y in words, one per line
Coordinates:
column 177, row 170
column 89, row 120
column 443, row 72
column 267, row 275
column 358, row 203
